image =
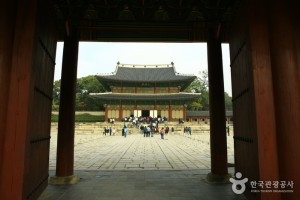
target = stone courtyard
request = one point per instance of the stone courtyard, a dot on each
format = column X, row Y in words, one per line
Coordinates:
column 140, row 168
column 136, row 152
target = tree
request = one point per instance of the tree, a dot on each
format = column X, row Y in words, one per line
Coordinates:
column 84, row 87
column 84, row 101
column 228, row 102
column 199, row 85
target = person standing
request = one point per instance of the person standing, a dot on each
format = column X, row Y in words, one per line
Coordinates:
column 162, row 133
column 172, row 130
column 110, row 131
column 190, row 130
column 167, row 130
column 104, row 131
column 125, row 131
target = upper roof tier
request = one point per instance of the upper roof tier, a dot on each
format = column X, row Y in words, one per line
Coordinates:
column 145, row 75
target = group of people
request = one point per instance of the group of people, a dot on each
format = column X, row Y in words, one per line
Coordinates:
column 147, row 131
column 111, row 120
column 187, row 130
column 148, row 120
column 108, row 131
column 150, row 130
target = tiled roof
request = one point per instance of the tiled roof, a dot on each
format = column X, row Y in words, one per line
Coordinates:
column 145, row 73
column 126, row 96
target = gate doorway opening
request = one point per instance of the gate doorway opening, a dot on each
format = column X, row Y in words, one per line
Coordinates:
column 145, row 113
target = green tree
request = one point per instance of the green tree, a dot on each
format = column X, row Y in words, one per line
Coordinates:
column 56, row 95
column 83, row 101
column 84, row 87
column 199, row 85
column 228, row 102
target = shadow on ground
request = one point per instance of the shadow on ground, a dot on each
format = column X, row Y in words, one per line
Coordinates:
column 141, row 185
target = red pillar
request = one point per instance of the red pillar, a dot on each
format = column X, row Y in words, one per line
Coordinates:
column 7, row 19
column 105, row 114
column 184, row 113
column 218, row 143
column 16, row 54
column 284, row 49
column 66, row 123
column 170, row 117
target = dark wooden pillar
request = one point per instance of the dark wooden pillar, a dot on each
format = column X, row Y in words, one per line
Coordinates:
column 105, row 113
column 66, row 124
column 7, row 19
column 284, row 48
column 170, row 117
column 218, row 139
column 184, row 113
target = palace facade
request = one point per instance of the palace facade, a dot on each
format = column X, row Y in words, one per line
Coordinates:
column 145, row 90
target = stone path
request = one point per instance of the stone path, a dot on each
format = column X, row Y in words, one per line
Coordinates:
column 138, row 168
column 175, row 152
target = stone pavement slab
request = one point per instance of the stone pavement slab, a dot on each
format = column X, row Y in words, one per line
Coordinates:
column 141, row 185
column 139, row 168
column 175, row 152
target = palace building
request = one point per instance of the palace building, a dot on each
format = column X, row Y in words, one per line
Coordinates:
column 145, row 90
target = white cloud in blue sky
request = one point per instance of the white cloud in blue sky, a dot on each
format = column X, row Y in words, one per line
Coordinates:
column 102, row 57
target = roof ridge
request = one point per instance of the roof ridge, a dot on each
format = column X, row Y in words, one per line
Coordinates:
column 145, row 65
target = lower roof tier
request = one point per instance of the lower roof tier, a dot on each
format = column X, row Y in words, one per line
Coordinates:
column 135, row 96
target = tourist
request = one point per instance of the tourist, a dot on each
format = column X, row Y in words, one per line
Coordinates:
column 113, row 131
column 228, row 130
column 162, row 133
column 107, row 131
column 145, row 131
column 148, row 131
column 172, row 130
column 110, row 131
column 167, row 130
column 190, row 130
column 152, row 130
column 124, row 131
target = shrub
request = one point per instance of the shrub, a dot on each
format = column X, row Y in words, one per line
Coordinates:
column 82, row 118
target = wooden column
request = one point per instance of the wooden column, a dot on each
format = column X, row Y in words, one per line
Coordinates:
column 7, row 19
column 121, row 111
column 218, row 143
column 105, row 114
column 284, row 47
column 170, row 117
column 184, row 113
column 66, row 123
column 19, row 89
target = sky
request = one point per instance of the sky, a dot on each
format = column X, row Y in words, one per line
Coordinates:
column 102, row 57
